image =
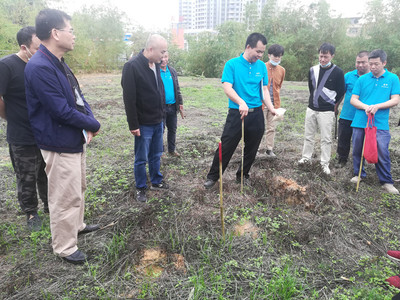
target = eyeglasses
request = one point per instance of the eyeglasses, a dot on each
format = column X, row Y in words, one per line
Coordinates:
column 71, row 31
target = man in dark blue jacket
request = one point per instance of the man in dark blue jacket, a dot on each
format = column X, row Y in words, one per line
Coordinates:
column 143, row 93
column 62, row 123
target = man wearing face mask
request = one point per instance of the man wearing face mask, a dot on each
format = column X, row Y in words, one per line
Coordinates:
column 276, row 75
column 347, row 114
column 25, row 156
column 327, row 87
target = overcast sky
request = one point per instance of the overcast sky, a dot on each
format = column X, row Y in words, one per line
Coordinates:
column 157, row 14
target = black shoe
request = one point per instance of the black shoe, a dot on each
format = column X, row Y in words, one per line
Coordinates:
column 76, row 258
column 46, row 209
column 246, row 180
column 159, row 186
column 340, row 164
column 141, row 195
column 33, row 222
column 89, row 228
column 209, row 183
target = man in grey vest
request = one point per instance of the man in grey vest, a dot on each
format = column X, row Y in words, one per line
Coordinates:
column 327, row 87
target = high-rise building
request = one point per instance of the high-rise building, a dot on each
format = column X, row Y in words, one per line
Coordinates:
column 208, row 14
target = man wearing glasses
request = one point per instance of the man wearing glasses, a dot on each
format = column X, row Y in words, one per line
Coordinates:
column 63, row 124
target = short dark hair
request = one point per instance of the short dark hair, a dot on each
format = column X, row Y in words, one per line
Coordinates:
column 47, row 19
column 363, row 53
column 24, row 35
column 276, row 50
column 326, row 47
column 253, row 39
column 378, row 53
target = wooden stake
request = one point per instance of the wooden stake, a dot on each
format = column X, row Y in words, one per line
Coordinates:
column 221, row 201
column 241, row 173
column 361, row 164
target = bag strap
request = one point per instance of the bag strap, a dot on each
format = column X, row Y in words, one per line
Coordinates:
column 371, row 121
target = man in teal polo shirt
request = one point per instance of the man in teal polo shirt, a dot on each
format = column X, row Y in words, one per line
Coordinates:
column 347, row 114
column 242, row 80
column 375, row 93
column 173, row 102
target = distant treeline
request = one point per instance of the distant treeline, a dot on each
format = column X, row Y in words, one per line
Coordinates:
column 300, row 29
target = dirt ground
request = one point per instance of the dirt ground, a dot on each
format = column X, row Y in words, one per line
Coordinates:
column 293, row 229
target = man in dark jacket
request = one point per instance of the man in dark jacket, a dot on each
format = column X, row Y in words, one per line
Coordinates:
column 326, row 86
column 62, row 123
column 143, row 93
column 173, row 102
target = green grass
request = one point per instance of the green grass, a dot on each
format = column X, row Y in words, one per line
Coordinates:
column 334, row 250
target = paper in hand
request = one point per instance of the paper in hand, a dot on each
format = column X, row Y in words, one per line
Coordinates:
column 279, row 114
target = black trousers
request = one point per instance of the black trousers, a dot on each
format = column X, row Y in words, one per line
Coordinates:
column 29, row 168
column 345, row 132
column 254, row 128
column 171, row 121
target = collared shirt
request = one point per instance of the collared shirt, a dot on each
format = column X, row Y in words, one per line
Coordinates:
column 349, row 110
column 372, row 90
column 246, row 79
column 168, row 86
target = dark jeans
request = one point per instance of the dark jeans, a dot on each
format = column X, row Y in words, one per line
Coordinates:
column 344, row 139
column 148, row 149
column 383, row 165
column 254, row 128
column 29, row 168
column 171, row 122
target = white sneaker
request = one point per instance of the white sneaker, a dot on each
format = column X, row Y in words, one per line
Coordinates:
column 270, row 153
column 325, row 169
column 390, row 188
column 303, row 160
column 355, row 179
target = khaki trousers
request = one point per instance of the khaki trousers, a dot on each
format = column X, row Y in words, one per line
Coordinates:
column 270, row 132
column 66, row 173
column 323, row 120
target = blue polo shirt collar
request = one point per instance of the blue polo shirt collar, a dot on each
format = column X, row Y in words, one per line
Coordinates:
column 383, row 75
column 243, row 60
column 166, row 70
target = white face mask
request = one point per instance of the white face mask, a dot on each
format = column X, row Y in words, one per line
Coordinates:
column 274, row 63
column 30, row 53
column 327, row 65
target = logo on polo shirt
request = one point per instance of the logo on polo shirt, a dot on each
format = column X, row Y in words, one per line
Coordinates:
column 385, row 85
column 258, row 74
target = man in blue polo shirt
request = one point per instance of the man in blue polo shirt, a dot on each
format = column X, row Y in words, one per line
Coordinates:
column 242, row 79
column 347, row 114
column 173, row 102
column 375, row 93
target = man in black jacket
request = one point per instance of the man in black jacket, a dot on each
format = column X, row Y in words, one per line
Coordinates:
column 143, row 93
column 173, row 102
column 326, row 86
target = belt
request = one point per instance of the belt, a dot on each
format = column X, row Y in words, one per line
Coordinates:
column 173, row 104
column 254, row 109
